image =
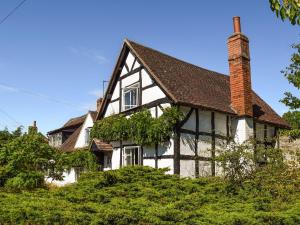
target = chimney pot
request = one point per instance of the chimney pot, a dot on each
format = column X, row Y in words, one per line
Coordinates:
column 236, row 24
column 34, row 123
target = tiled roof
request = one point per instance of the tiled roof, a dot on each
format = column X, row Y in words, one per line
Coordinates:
column 98, row 145
column 72, row 124
column 69, row 144
column 192, row 85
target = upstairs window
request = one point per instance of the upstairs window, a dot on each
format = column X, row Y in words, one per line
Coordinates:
column 87, row 135
column 131, row 96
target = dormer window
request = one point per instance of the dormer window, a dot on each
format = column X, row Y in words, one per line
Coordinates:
column 131, row 96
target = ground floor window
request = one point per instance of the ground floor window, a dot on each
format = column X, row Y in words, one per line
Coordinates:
column 131, row 156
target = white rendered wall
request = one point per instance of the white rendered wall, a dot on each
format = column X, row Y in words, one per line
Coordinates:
column 146, row 79
column 204, row 121
column 190, row 124
column 115, row 159
column 166, row 163
column 69, row 177
column 187, row 144
column 116, row 93
column 187, row 168
column 81, row 140
column 220, row 124
column 204, row 168
column 242, row 129
column 130, row 80
column 149, row 162
column 152, row 94
column 112, row 109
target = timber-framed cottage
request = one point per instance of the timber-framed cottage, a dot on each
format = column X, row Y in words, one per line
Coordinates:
column 216, row 107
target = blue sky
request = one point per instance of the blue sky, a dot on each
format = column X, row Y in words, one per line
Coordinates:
column 55, row 54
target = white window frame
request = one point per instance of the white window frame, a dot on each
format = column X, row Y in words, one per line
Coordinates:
column 128, row 89
column 131, row 154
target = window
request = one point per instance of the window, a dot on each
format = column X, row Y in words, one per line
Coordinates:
column 87, row 135
column 131, row 156
column 131, row 96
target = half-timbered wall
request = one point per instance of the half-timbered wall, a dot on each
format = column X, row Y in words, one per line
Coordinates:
column 202, row 134
column 151, row 97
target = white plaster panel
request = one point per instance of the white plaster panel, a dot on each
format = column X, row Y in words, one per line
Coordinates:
column 153, row 112
column 69, row 177
column 149, row 162
column 152, row 94
column 166, row 163
column 149, row 151
column 190, row 124
column 136, row 65
column 204, row 168
column 220, row 144
column 187, row 168
column 242, row 129
column 146, row 79
column 220, row 123
column 112, row 108
column 130, row 79
column 205, row 121
column 166, row 148
column 129, row 60
column 115, row 160
column 116, row 93
column 81, row 140
column 187, row 144
column 204, row 146
column 164, row 106
column 260, row 131
column 219, row 170
column 124, row 71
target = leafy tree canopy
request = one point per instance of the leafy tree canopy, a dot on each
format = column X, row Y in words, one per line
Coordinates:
column 287, row 9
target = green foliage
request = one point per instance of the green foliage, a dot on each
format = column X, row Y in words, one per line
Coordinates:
column 293, row 118
column 83, row 159
column 287, row 9
column 142, row 195
column 6, row 136
column 140, row 128
column 24, row 161
column 292, row 73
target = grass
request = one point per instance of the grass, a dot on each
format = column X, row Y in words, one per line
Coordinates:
column 141, row 195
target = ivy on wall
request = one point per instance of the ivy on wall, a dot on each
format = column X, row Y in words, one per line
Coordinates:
column 140, row 128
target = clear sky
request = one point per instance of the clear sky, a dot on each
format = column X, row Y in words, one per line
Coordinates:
column 54, row 54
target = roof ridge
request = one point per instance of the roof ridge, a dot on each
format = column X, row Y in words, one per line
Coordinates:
column 180, row 60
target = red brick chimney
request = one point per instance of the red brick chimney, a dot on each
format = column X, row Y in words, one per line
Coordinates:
column 239, row 70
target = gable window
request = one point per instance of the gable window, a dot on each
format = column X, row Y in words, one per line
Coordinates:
column 87, row 135
column 131, row 96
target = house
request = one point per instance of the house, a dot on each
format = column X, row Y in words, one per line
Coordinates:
column 73, row 135
column 216, row 107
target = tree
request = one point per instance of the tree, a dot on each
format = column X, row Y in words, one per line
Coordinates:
column 25, row 160
column 287, row 9
column 292, row 73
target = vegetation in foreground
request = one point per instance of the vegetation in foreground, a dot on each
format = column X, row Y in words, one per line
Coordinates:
column 141, row 195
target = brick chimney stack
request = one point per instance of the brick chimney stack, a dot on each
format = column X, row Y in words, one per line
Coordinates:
column 239, row 70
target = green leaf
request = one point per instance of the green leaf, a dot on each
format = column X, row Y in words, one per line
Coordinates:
column 282, row 13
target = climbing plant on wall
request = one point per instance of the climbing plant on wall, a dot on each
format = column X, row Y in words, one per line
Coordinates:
column 140, row 128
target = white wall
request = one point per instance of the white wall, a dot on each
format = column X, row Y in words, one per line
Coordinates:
column 69, row 177
column 81, row 140
column 152, row 94
column 187, row 168
column 187, row 144
column 166, row 163
column 242, row 129
column 115, row 160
